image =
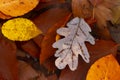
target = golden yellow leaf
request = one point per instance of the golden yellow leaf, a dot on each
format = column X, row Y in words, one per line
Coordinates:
column 106, row 68
column 20, row 29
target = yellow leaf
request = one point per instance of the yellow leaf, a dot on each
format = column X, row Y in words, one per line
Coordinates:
column 20, row 29
column 106, row 68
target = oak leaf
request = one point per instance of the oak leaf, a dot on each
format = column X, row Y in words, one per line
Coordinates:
column 73, row 44
column 20, row 29
column 105, row 68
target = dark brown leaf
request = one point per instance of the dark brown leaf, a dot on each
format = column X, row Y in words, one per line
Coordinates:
column 46, row 46
column 49, row 18
column 8, row 61
column 31, row 48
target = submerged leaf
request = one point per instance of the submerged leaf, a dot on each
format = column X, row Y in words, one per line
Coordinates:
column 106, row 68
column 73, row 44
column 20, row 29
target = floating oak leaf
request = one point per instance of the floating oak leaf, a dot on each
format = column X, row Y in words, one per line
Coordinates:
column 73, row 44
column 20, row 29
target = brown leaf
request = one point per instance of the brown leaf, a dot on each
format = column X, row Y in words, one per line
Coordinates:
column 105, row 68
column 46, row 46
column 50, row 64
column 53, row 77
column 81, row 8
column 31, row 48
column 100, row 49
column 8, row 61
column 26, row 72
column 47, row 19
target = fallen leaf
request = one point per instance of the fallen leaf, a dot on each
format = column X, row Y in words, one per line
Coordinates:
column 46, row 45
column 76, row 33
column 105, row 68
column 17, row 7
column 49, row 18
column 26, row 72
column 100, row 49
column 102, row 11
column 31, row 48
column 3, row 16
column 8, row 61
column 49, row 64
column 116, row 15
column 81, row 8
column 20, row 29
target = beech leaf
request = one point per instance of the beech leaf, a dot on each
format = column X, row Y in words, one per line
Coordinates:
column 73, row 44
column 20, row 29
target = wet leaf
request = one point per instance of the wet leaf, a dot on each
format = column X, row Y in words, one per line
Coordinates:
column 20, row 29
column 17, row 7
column 76, row 33
column 105, row 68
column 96, row 52
column 46, row 46
column 8, row 61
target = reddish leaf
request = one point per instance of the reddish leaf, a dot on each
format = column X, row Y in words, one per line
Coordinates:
column 50, row 64
column 46, row 46
column 31, row 48
column 53, row 77
column 8, row 61
column 47, row 19
column 100, row 49
column 26, row 72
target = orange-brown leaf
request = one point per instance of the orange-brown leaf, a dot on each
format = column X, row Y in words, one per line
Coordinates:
column 46, row 46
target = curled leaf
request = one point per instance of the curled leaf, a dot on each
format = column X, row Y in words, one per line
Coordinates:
column 105, row 68
column 73, row 44
column 20, row 29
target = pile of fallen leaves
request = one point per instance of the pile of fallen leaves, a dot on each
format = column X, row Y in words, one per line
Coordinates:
column 59, row 39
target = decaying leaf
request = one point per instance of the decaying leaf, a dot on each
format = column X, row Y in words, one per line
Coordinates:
column 17, row 7
column 20, row 29
column 81, row 8
column 8, row 61
column 106, row 68
column 116, row 15
column 46, row 46
column 73, row 44
column 26, row 72
column 102, row 11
